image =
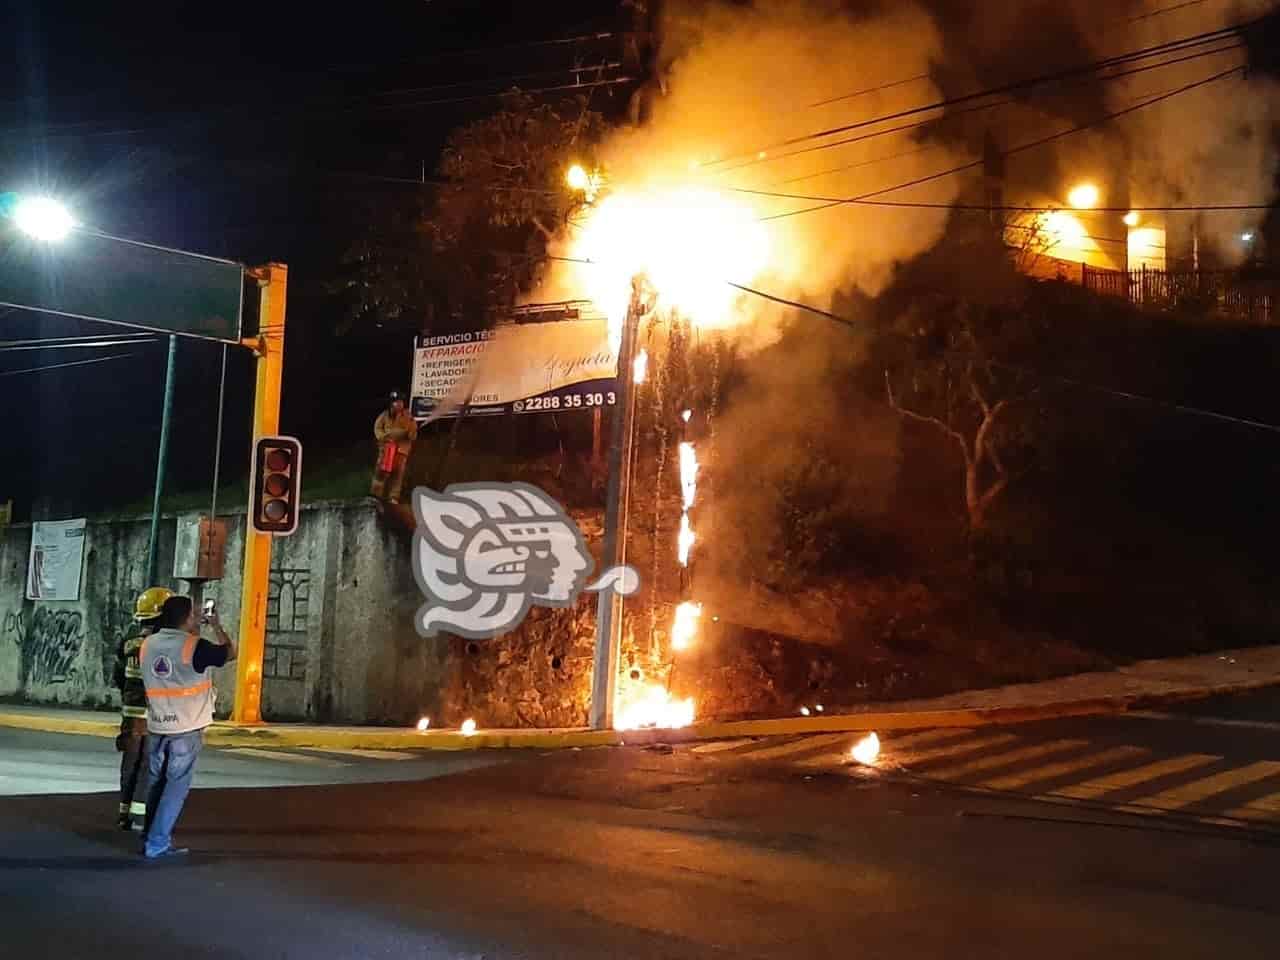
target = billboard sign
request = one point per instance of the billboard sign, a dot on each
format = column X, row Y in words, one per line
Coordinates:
column 530, row 367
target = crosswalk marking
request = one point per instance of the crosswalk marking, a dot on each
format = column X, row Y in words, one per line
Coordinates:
column 1006, row 758
column 363, row 754
column 797, row 746
column 281, row 755
column 1013, row 760
column 1185, row 795
column 1208, row 721
column 716, row 746
column 1261, row 808
column 1062, row 768
column 919, row 738
column 975, row 743
column 1091, row 789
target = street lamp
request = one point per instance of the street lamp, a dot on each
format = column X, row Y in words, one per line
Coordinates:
column 577, row 178
column 43, row 218
column 1131, row 219
column 1083, row 196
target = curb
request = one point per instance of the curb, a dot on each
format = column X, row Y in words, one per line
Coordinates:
column 226, row 734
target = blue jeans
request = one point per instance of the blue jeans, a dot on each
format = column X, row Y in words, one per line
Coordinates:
column 171, row 762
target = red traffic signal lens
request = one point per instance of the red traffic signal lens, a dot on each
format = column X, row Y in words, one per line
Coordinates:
column 276, row 485
column 275, row 510
column 279, row 459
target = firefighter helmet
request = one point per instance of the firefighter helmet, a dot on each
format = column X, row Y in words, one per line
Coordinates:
column 149, row 603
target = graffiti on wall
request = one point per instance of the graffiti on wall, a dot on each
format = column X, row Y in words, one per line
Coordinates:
column 50, row 642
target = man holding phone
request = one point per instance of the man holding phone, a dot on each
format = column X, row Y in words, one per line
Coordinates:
column 175, row 663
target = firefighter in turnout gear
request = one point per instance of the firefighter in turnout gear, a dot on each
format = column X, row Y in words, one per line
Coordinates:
column 395, row 430
column 132, row 741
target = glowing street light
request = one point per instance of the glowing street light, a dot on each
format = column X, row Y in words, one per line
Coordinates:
column 1131, row 219
column 1083, row 196
column 577, row 178
column 43, row 218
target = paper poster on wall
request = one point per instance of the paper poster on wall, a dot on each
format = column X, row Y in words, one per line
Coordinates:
column 57, row 556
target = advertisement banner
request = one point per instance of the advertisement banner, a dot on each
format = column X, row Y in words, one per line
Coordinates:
column 519, row 367
column 57, row 556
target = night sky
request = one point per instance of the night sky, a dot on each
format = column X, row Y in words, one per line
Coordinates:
column 254, row 132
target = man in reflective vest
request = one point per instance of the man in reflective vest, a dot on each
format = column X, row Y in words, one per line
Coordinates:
column 132, row 742
column 175, row 669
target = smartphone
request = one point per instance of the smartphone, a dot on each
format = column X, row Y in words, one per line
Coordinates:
column 209, row 607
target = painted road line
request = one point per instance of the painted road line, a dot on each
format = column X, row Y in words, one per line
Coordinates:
column 281, row 755
column 964, row 746
column 1092, row 789
column 1267, row 725
column 1007, row 758
column 1261, row 808
column 908, row 740
column 1187, row 794
column 365, row 754
column 802, row 745
column 1052, row 771
column 891, row 746
column 715, row 746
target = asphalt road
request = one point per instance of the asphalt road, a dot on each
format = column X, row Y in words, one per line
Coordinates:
column 1089, row 838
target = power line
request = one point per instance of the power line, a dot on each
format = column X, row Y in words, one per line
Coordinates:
column 66, row 131
column 60, row 366
column 1013, row 150
column 90, row 344
column 925, row 76
column 1163, row 10
column 1173, row 46
column 69, row 340
column 1040, row 374
column 876, row 89
column 1015, row 368
column 765, row 156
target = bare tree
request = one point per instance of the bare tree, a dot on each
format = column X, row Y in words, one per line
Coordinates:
column 955, row 383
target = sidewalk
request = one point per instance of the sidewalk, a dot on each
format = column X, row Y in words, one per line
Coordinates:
column 1139, row 686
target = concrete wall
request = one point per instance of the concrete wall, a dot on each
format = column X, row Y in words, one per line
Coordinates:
column 340, row 643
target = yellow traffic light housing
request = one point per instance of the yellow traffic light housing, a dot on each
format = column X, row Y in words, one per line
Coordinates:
column 277, row 485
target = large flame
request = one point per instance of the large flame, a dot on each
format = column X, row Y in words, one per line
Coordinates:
column 684, row 540
column 650, row 706
column 685, row 240
column 685, row 626
column 866, row 750
column 688, row 473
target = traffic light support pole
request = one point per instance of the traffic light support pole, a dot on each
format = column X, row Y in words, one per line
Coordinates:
column 273, row 280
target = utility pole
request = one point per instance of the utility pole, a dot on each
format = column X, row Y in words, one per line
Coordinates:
column 153, row 546
column 604, row 676
column 272, row 281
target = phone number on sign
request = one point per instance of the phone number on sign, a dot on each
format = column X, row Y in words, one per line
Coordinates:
column 569, row 401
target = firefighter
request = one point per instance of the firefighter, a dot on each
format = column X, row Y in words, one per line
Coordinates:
column 132, row 742
column 395, row 431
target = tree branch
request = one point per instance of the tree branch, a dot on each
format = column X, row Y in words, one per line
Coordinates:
column 922, row 418
column 542, row 227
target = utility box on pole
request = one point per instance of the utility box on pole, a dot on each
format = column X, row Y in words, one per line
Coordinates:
column 200, row 552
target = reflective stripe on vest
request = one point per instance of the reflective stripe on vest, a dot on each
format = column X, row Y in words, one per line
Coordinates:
column 179, row 700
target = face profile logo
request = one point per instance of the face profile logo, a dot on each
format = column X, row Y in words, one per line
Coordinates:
column 485, row 553
column 161, row 667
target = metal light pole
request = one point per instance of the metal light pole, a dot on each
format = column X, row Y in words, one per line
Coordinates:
column 604, row 677
column 161, row 461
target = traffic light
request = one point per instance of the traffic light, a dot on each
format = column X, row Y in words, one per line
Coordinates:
column 277, row 485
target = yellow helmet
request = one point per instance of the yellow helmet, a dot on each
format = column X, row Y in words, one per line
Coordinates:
column 149, row 603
